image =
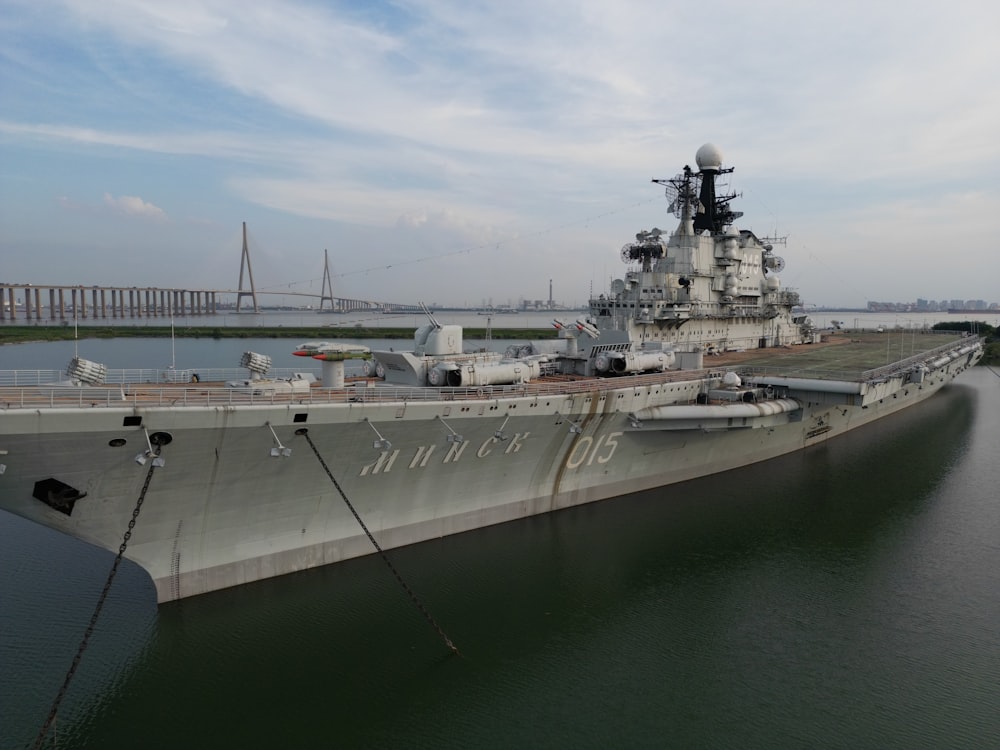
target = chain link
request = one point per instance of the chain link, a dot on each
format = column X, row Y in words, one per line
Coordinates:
column 420, row 606
column 97, row 609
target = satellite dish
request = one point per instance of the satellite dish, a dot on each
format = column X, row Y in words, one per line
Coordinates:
column 775, row 263
column 617, row 286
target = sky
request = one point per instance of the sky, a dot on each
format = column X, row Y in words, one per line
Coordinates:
column 458, row 152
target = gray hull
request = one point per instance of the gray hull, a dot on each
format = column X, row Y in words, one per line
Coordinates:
column 223, row 511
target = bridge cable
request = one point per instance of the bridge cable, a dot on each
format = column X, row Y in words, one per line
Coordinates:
column 97, row 610
column 371, row 538
column 503, row 242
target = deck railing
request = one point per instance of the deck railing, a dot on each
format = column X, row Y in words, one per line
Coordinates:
column 115, row 377
column 37, row 389
column 906, row 364
column 134, row 395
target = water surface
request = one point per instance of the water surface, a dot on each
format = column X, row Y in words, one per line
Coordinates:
column 843, row 597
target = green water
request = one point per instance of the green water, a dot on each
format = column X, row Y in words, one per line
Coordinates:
column 844, row 597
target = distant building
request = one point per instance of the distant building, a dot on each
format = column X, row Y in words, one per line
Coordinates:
column 923, row 305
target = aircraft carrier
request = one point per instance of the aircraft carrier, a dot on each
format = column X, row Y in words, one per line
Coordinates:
column 693, row 363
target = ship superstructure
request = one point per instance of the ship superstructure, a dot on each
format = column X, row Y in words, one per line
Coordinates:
column 706, row 285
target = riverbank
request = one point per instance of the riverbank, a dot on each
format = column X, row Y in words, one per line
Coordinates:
column 27, row 334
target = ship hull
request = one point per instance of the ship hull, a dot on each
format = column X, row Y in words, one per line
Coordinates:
column 223, row 511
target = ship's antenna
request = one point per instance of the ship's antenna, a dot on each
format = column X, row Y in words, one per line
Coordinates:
column 681, row 193
column 775, row 239
column 173, row 353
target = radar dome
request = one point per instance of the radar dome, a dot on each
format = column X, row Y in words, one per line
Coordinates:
column 709, row 157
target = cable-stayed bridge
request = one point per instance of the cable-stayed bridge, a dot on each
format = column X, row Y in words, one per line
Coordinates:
column 62, row 302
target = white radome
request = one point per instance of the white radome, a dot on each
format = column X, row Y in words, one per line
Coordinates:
column 709, row 157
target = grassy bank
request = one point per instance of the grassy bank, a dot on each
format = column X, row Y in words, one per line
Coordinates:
column 23, row 334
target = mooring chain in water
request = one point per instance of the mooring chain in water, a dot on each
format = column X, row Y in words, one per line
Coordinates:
column 385, row 557
column 97, row 611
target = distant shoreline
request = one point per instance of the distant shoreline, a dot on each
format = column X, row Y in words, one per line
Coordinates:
column 28, row 334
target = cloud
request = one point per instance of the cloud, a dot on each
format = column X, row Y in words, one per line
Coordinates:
column 133, row 205
column 420, row 128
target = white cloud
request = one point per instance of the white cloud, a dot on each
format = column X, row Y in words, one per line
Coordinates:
column 500, row 120
column 133, row 205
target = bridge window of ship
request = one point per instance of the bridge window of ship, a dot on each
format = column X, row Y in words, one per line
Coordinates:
column 132, row 421
column 300, row 417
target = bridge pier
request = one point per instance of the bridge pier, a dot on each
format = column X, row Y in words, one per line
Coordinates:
column 104, row 302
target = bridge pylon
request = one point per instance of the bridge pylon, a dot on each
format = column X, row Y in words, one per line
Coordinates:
column 245, row 263
column 326, row 290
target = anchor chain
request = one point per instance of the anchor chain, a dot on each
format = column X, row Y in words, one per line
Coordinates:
column 97, row 610
column 385, row 557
